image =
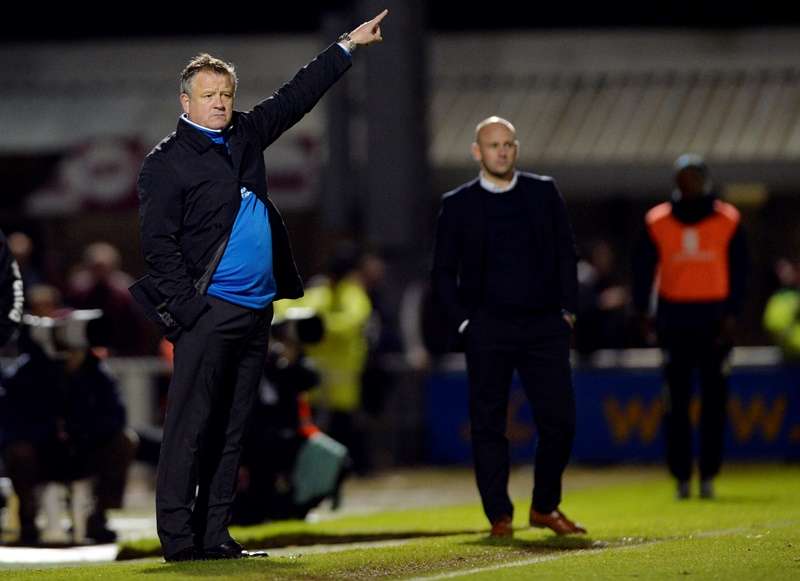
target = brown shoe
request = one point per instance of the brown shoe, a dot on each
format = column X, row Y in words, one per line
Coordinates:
column 557, row 522
column 502, row 528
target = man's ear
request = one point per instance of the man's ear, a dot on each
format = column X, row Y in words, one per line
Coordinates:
column 476, row 152
column 184, row 98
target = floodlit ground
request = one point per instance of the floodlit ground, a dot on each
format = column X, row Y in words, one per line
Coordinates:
column 427, row 524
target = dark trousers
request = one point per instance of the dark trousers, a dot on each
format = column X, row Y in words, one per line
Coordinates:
column 29, row 464
column 538, row 349
column 686, row 351
column 218, row 366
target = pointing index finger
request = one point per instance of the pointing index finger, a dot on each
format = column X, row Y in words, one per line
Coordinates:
column 381, row 16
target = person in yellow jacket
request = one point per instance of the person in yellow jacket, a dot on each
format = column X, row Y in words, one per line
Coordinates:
column 341, row 301
column 782, row 313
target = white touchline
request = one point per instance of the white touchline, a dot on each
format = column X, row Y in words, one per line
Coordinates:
column 41, row 556
column 583, row 552
column 532, row 561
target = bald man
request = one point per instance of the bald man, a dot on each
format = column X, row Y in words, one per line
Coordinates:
column 504, row 271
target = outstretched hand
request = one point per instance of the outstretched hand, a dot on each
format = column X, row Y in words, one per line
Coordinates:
column 370, row 31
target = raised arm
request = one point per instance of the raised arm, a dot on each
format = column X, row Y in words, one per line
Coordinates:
column 289, row 104
column 369, row 31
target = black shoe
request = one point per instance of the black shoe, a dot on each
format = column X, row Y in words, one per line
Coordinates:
column 187, row 554
column 102, row 535
column 29, row 535
column 97, row 529
column 227, row 550
column 707, row 489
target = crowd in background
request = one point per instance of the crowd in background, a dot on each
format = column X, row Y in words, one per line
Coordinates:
column 325, row 375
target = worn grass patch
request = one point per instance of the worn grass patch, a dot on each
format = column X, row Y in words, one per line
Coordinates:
column 636, row 530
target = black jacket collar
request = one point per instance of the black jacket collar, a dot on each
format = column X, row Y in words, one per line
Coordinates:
column 194, row 137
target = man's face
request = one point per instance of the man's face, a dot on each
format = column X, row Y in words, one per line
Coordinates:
column 496, row 150
column 210, row 102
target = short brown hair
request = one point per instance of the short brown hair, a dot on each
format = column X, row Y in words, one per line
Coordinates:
column 206, row 62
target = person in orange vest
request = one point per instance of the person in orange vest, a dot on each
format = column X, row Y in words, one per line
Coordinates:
column 693, row 254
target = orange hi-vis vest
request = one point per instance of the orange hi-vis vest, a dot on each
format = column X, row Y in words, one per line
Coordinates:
column 693, row 258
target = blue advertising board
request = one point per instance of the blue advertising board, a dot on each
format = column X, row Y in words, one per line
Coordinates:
column 619, row 416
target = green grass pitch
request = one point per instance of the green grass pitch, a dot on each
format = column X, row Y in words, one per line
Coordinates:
column 637, row 530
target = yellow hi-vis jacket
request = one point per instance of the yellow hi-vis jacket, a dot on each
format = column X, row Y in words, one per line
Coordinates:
column 340, row 357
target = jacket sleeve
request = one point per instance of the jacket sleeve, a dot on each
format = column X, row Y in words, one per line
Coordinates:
column 292, row 101
column 161, row 221
column 738, row 266
column 567, row 255
column 644, row 262
column 446, row 266
column 11, row 292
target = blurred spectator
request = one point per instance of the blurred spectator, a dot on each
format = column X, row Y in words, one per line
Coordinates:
column 43, row 300
column 100, row 284
column 61, row 418
column 341, row 301
column 423, row 325
column 782, row 313
column 381, row 332
column 411, row 324
column 21, row 247
column 602, row 299
column 693, row 252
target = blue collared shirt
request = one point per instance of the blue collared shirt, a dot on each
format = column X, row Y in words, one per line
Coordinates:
column 244, row 275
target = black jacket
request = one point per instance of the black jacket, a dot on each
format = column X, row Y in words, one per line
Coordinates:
column 459, row 258
column 189, row 192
